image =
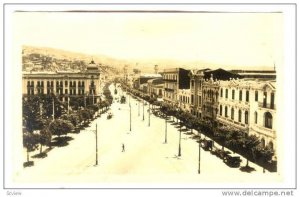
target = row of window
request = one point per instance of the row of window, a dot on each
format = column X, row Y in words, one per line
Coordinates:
column 268, row 119
column 240, row 95
column 170, row 76
column 72, row 91
column 58, row 83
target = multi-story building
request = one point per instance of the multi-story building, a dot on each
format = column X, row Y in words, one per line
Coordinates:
column 155, row 88
column 174, row 80
column 64, row 84
column 249, row 105
column 210, row 91
column 184, row 96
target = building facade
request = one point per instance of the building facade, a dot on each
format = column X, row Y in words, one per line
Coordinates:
column 175, row 79
column 63, row 84
column 249, row 105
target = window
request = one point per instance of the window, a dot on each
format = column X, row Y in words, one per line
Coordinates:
column 272, row 101
column 226, row 115
column 255, row 117
column 247, row 96
column 192, row 99
column 268, row 120
column 233, row 92
column 263, row 142
column 221, row 92
column 220, row 110
column 246, row 117
column 256, row 95
column 232, row 113
column 226, row 93
column 241, row 95
column 240, row 116
column 192, row 83
column 265, row 100
column 66, row 83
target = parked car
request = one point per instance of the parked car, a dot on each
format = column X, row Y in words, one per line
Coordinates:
column 123, row 99
column 232, row 160
column 207, row 144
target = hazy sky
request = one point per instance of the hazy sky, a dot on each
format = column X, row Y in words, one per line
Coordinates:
column 223, row 38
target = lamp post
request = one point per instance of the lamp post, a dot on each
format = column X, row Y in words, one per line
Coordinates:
column 129, row 117
column 96, row 136
column 179, row 146
column 166, row 129
column 139, row 107
column 199, row 158
column 143, row 108
column 149, row 116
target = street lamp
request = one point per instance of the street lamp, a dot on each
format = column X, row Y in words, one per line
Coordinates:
column 149, row 116
column 143, row 107
column 199, row 158
column 166, row 129
column 96, row 136
column 129, row 117
column 179, row 146
column 139, row 107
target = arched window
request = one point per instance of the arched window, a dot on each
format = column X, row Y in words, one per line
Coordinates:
column 232, row 113
column 240, row 116
column 255, row 117
column 268, row 120
column 246, row 117
column 262, row 142
column 226, row 115
column 221, row 110
column 271, row 145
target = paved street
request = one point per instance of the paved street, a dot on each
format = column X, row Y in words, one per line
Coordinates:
column 146, row 158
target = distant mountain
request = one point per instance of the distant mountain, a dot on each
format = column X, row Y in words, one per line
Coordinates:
column 145, row 65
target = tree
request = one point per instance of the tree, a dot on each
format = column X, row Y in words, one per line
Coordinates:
column 250, row 143
column 60, row 127
column 44, row 138
column 30, row 142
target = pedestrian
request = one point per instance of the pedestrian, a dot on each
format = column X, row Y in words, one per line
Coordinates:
column 123, row 147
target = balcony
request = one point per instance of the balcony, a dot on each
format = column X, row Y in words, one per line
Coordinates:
column 266, row 105
column 169, row 90
column 170, row 80
column 229, row 121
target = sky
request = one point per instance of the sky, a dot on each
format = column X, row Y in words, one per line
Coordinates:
column 243, row 39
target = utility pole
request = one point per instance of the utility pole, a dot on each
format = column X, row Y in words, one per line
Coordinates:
column 130, row 116
column 179, row 147
column 139, row 108
column 149, row 116
column 199, row 158
column 166, row 130
column 143, row 109
column 96, row 145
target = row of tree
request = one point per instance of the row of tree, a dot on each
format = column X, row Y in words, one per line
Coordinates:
column 39, row 125
column 237, row 140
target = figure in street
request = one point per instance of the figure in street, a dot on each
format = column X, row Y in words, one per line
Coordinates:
column 123, row 147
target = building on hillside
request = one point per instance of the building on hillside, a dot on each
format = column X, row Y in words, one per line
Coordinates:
column 174, row 80
column 64, row 84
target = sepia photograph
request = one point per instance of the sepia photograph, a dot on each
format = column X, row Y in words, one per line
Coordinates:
column 149, row 96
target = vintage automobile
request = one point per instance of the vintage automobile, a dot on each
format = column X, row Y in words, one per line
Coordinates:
column 207, row 144
column 232, row 160
column 123, row 99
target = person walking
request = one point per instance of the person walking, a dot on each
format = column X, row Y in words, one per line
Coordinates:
column 123, row 147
